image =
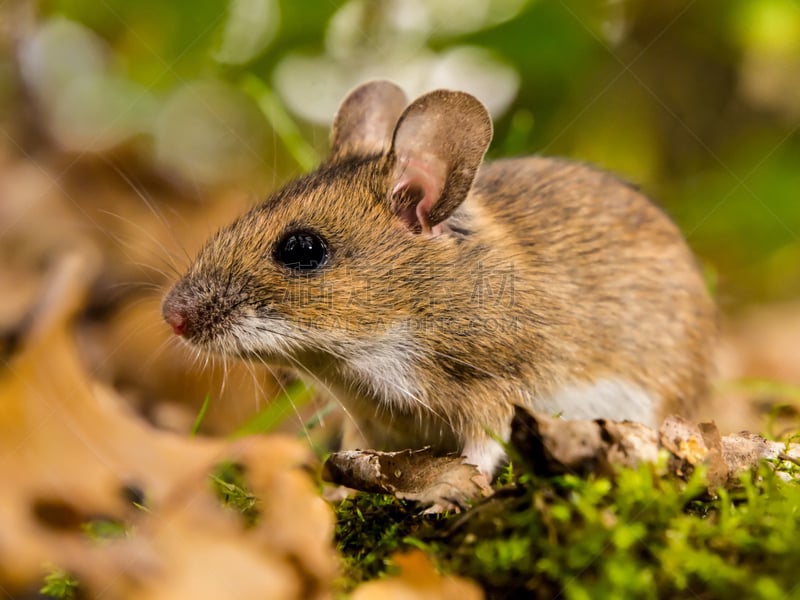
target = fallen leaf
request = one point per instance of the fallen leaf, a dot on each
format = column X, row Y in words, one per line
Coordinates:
column 418, row 580
column 441, row 482
column 554, row 446
column 72, row 453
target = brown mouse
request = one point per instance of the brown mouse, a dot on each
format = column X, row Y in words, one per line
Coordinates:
column 429, row 292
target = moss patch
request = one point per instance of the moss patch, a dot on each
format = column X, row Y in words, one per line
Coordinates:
column 639, row 536
column 228, row 481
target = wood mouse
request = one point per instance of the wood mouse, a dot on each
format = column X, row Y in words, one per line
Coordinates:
column 429, row 291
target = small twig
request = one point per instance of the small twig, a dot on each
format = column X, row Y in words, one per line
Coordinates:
column 789, row 458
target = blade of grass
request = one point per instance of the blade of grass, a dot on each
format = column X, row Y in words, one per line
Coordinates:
column 280, row 120
column 201, row 415
column 277, row 410
column 318, row 417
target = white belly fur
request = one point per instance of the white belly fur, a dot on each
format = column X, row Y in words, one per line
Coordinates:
column 603, row 399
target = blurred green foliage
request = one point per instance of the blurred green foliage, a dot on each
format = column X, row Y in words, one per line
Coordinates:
column 698, row 102
column 60, row 584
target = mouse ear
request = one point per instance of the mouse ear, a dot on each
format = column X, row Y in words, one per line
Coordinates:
column 438, row 145
column 365, row 120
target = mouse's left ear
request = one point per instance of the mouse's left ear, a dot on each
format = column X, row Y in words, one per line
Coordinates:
column 437, row 147
column 364, row 122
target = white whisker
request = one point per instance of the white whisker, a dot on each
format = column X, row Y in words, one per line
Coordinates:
column 153, row 209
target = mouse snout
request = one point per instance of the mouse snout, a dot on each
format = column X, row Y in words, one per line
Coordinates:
column 176, row 314
column 201, row 312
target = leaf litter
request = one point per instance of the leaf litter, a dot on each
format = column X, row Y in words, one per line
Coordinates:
column 72, row 454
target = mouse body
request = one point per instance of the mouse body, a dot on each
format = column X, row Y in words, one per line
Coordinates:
column 429, row 291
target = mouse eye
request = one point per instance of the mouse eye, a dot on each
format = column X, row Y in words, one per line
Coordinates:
column 302, row 251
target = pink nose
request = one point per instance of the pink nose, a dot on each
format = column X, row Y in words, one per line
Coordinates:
column 177, row 321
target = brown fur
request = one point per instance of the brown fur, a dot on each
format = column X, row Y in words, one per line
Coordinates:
column 547, row 274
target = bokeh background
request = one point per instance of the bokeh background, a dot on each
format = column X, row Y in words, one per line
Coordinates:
column 130, row 130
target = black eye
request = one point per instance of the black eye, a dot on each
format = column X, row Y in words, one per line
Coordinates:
column 302, row 251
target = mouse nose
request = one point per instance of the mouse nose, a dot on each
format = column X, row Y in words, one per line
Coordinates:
column 175, row 315
column 177, row 321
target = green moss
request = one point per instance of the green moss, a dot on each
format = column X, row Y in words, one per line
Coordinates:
column 369, row 529
column 640, row 536
column 229, row 484
column 60, row 584
column 100, row 530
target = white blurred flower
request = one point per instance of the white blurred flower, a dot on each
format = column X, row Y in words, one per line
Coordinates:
column 369, row 40
column 98, row 111
column 475, row 70
column 59, row 52
column 250, row 27
column 210, row 132
column 88, row 107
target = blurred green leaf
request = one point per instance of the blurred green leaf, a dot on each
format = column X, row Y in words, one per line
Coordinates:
column 277, row 410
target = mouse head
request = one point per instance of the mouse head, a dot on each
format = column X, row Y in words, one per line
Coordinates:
column 341, row 254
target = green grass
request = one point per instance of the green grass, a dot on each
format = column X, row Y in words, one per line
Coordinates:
column 282, row 123
column 231, row 489
column 639, row 536
column 201, row 415
column 277, row 410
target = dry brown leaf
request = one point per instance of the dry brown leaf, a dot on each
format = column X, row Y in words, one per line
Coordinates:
column 442, row 482
column 418, row 580
column 70, row 452
column 553, row 446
